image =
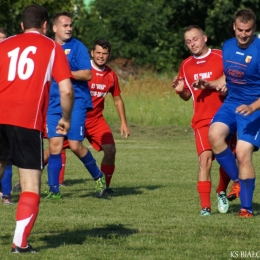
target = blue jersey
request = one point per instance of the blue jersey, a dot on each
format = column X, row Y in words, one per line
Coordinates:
column 242, row 71
column 79, row 59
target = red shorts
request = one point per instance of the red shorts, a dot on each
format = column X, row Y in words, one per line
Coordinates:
column 98, row 132
column 202, row 140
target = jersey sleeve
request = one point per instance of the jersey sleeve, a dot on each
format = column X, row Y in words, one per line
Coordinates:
column 61, row 68
column 181, row 75
column 115, row 90
column 83, row 58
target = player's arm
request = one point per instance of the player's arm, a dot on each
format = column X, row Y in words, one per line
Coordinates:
column 84, row 75
column 120, row 107
column 214, row 84
column 66, row 102
column 178, row 85
column 248, row 109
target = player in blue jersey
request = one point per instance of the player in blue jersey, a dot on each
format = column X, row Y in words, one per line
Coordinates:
column 241, row 58
column 80, row 66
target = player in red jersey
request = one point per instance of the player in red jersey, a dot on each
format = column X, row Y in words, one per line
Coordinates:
column 104, row 80
column 28, row 62
column 204, row 63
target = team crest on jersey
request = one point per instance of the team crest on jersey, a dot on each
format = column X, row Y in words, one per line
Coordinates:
column 67, row 51
column 248, row 59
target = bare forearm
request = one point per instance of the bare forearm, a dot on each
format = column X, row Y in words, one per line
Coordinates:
column 185, row 94
column 84, row 75
column 66, row 98
column 120, row 107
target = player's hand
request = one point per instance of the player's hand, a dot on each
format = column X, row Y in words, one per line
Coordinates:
column 124, row 130
column 200, row 84
column 178, row 84
column 63, row 127
column 222, row 90
column 244, row 110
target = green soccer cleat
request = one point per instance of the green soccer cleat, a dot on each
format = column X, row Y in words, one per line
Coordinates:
column 52, row 195
column 205, row 212
column 223, row 204
column 100, row 187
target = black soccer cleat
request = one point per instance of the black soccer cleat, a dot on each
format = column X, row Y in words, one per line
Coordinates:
column 20, row 250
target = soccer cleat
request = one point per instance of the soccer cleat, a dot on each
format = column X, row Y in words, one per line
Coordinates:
column 100, row 187
column 205, row 212
column 7, row 200
column 52, row 195
column 234, row 191
column 110, row 191
column 243, row 213
column 223, row 204
column 17, row 187
column 64, row 184
column 19, row 250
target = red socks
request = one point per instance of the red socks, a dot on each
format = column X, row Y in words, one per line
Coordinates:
column 26, row 213
column 224, row 180
column 108, row 170
column 63, row 164
column 204, row 188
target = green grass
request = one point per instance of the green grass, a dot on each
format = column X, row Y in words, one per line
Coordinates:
column 153, row 215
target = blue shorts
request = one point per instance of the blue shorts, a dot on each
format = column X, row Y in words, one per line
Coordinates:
column 77, row 125
column 247, row 127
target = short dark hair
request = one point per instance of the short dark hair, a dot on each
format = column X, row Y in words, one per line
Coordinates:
column 34, row 16
column 194, row 26
column 57, row 16
column 245, row 15
column 3, row 31
column 103, row 43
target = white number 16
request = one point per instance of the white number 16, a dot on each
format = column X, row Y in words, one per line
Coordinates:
column 25, row 65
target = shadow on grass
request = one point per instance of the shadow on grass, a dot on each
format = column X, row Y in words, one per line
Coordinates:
column 126, row 191
column 234, row 206
column 79, row 236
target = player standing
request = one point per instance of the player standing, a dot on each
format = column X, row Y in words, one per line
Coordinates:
column 204, row 63
column 97, row 131
column 80, row 66
column 28, row 61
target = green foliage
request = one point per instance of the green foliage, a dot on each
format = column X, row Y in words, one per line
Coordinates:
column 149, row 32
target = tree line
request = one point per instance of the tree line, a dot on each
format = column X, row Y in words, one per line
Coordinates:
column 148, row 32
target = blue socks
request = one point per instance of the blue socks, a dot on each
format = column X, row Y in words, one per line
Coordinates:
column 7, row 180
column 247, row 187
column 227, row 161
column 90, row 163
column 54, row 167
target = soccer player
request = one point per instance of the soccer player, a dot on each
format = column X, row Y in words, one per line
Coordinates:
column 6, row 181
column 203, row 63
column 104, row 80
column 28, row 61
column 242, row 78
column 80, row 66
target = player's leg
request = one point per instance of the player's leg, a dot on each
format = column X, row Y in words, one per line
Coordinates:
column 54, row 160
column 248, row 141
column 75, row 138
column 7, row 185
column 205, row 162
column 62, row 182
column 27, row 144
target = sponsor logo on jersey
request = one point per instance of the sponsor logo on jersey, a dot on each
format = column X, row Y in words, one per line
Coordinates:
column 67, row 51
column 240, row 53
column 203, row 75
column 201, row 61
column 98, row 74
column 248, row 59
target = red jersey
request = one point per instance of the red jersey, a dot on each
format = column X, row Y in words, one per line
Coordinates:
column 28, row 61
column 102, row 82
column 205, row 102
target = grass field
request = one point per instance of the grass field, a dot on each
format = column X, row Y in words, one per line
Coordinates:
column 153, row 215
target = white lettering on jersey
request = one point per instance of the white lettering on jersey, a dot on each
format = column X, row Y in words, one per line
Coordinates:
column 98, row 74
column 25, row 65
column 201, row 61
column 240, row 53
column 97, row 94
